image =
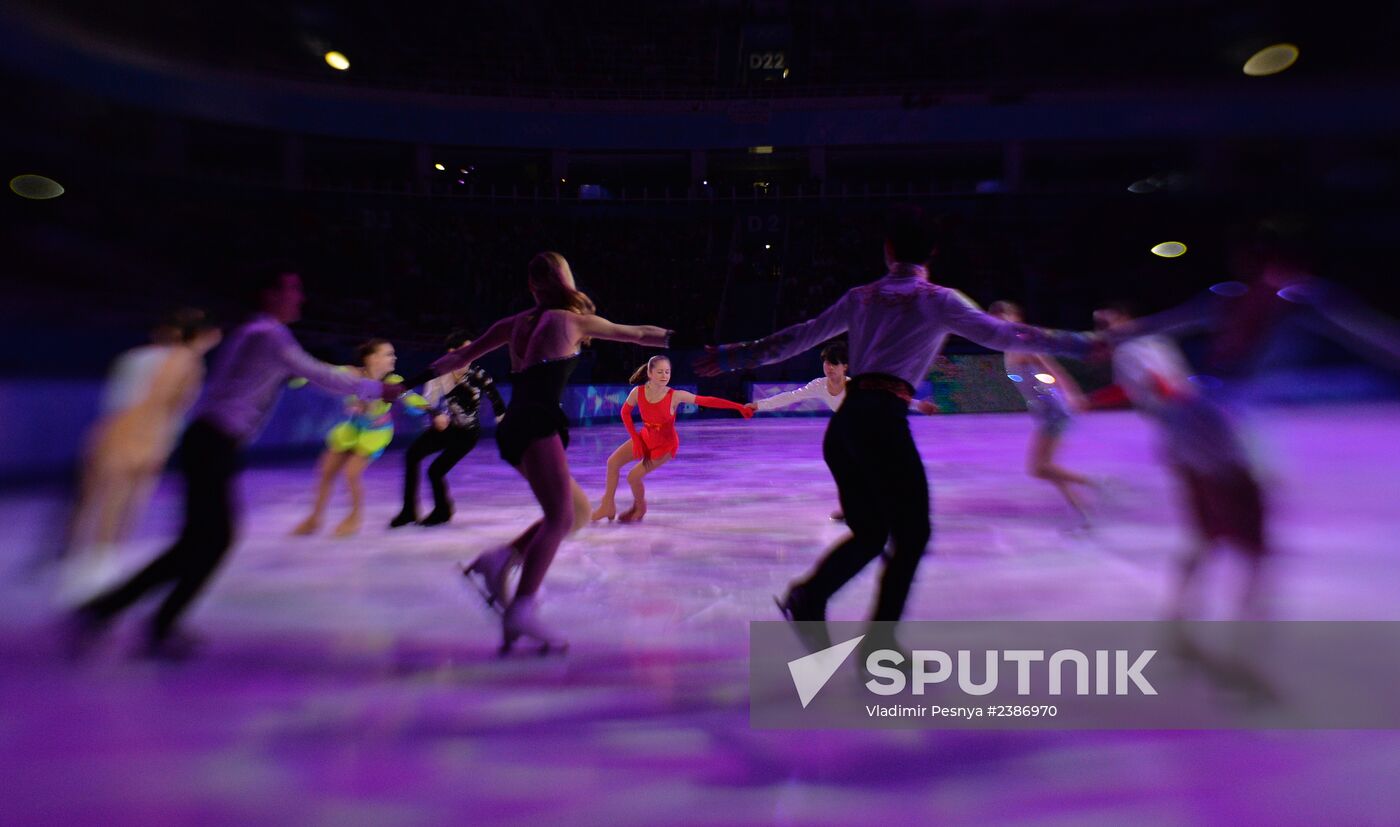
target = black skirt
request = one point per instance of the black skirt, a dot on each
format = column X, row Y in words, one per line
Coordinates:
column 525, row 424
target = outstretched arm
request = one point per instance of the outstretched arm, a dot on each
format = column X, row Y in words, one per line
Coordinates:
column 1345, row 319
column 297, row 362
column 1200, row 313
column 782, row 400
column 495, row 336
column 966, row 319
column 683, row 397
column 411, row 401
column 782, row 345
column 596, row 327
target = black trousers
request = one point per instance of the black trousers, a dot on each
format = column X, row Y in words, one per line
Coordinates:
column 209, row 462
column 453, row 443
column 884, row 494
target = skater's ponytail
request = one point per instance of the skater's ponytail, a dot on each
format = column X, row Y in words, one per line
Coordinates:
column 551, row 281
column 643, row 373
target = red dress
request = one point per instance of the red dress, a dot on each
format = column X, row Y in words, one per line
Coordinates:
column 657, row 436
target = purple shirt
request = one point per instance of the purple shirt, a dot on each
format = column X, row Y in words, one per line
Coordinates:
column 253, row 367
column 897, row 326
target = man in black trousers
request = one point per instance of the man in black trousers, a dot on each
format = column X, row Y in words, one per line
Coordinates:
column 896, row 326
column 255, row 363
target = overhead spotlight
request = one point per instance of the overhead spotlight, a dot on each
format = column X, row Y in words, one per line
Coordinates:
column 1271, row 60
column 705, row 183
column 563, row 180
column 768, row 246
column 785, row 72
column 1045, row 379
column 1169, row 249
column 439, row 167
column 464, row 171
column 35, row 187
column 337, row 61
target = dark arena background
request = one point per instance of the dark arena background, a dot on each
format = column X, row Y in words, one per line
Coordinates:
column 722, row 170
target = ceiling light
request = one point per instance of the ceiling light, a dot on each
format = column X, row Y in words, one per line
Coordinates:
column 1271, row 60
column 35, row 187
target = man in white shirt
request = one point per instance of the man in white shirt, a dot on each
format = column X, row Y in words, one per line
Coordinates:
column 829, row 388
column 255, row 363
column 896, row 327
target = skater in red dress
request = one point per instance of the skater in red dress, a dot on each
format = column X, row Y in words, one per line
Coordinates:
column 656, row 442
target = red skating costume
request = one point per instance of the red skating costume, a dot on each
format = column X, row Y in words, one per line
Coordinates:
column 657, row 436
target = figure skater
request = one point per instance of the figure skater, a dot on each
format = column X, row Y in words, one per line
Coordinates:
column 454, row 400
column 1052, row 396
column 830, row 390
column 897, row 325
column 255, row 364
column 359, row 439
column 657, row 442
column 150, row 391
column 1203, row 449
column 544, row 346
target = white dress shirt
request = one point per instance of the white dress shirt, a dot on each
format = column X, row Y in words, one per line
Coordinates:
column 815, row 389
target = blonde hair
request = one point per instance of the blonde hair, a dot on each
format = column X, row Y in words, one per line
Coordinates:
column 643, row 373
